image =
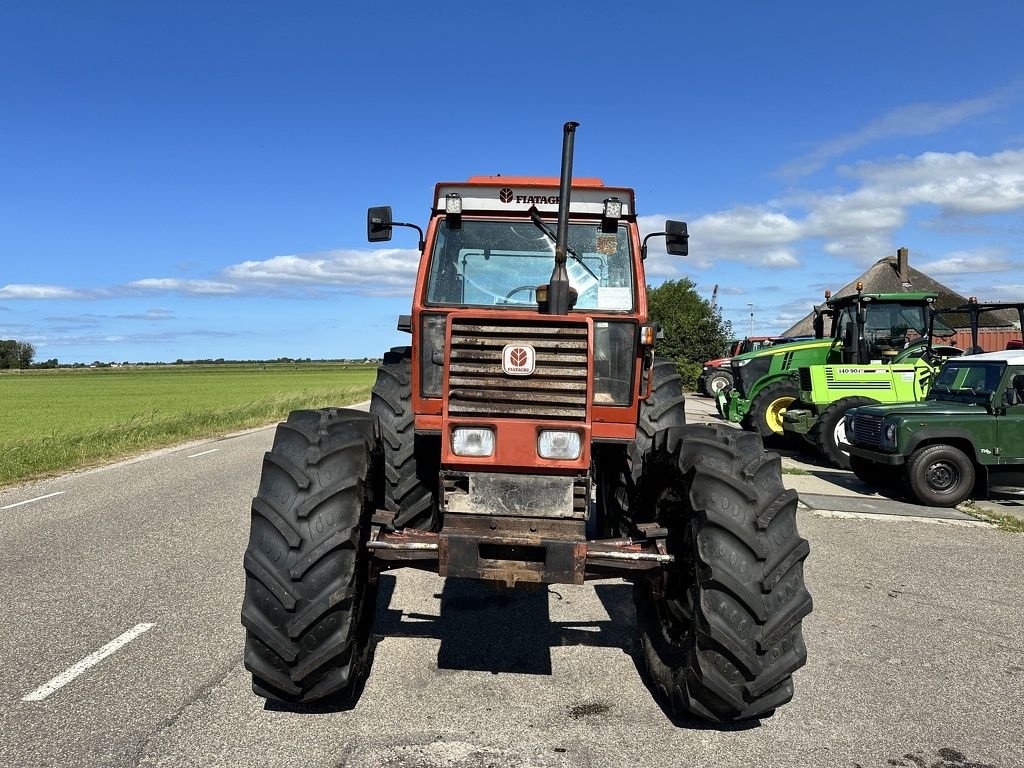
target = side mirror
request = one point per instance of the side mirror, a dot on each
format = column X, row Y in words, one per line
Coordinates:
column 378, row 224
column 677, row 239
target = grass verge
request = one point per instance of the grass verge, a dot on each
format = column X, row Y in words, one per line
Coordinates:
column 164, row 411
column 1009, row 523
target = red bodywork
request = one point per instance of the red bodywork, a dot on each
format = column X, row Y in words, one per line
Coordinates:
column 516, row 439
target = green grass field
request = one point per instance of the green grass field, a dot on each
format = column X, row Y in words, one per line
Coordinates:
column 54, row 420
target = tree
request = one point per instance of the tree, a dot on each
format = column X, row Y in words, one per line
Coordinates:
column 26, row 353
column 694, row 331
column 16, row 354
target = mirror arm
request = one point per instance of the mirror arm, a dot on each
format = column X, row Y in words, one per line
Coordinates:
column 423, row 242
column 643, row 245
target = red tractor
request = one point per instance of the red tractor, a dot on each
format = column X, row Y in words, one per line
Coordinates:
column 529, row 435
column 717, row 375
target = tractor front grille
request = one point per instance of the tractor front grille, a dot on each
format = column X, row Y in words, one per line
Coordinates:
column 478, row 387
column 805, row 379
column 867, row 430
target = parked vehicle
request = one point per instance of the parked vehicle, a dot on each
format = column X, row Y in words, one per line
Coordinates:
column 966, row 435
column 767, row 384
column 520, row 397
column 880, row 364
column 716, row 374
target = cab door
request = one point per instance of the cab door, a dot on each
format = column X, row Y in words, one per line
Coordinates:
column 1010, row 424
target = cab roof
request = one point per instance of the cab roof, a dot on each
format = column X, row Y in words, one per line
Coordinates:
column 908, row 296
column 1008, row 356
column 517, row 194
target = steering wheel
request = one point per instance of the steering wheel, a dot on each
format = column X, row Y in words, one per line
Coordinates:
column 514, row 291
column 918, row 348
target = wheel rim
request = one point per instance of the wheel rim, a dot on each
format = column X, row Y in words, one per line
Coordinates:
column 839, row 434
column 942, row 476
column 774, row 412
column 717, row 385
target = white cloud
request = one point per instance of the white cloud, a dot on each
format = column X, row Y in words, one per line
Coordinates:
column 178, row 285
column 756, row 235
column 362, row 271
column 28, row 291
column 918, row 119
column 968, row 262
column 962, row 181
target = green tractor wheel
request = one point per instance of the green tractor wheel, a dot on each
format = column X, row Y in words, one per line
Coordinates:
column 771, row 403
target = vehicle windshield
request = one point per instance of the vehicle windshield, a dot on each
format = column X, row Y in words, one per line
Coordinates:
column 963, row 381
column 501, row 263
column 890, row 327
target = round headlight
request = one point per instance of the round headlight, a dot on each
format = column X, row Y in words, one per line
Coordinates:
column 890, row 433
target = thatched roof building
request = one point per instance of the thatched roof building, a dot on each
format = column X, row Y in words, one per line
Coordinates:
column 894, row 274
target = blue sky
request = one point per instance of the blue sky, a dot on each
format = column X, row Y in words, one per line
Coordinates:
column 191, row 179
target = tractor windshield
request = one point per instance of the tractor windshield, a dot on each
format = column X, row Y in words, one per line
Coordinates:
column 964, row 381
column 501, row 263
column 889, row 326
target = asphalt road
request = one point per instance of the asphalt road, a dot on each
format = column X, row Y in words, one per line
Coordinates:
column 916, row 647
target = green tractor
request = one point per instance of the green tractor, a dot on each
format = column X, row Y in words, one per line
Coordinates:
column 887, row 353
column 766, row 383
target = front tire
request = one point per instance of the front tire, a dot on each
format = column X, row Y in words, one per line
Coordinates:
column 721, row 630
column 411, row 462
column 940, row 475
column 830, row 429
column 309, row 590
column 618, row 469
column 718, row 381
column 765, row 416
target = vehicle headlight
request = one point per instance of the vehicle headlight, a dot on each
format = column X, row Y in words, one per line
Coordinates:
column 559, row 444
column 889, row 435
column 473, row 441
column 741, row 363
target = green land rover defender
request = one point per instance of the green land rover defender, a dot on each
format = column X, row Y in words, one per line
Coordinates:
column 966, row 435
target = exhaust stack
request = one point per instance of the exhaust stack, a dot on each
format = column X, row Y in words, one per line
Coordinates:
column 558, row 299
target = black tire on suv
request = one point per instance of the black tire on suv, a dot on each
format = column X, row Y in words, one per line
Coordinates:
column 721, row 630
column 310, row 593
column 940, row 475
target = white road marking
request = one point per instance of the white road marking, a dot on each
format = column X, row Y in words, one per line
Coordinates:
column 212, row 450
column 91, row 660
column 37, row 498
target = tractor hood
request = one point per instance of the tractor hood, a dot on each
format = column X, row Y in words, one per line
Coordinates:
column 792, row 346
column 923, row 409
column 720, row 362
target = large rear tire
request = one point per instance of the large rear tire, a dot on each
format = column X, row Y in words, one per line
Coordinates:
column 765, row 415
column 830, row 430
column 309, row 590
column 721, row 629
column 411, row 463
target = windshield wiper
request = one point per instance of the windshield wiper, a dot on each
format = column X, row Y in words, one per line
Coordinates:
column 539, row 223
